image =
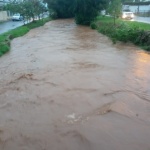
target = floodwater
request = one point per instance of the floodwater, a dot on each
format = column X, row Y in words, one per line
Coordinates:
column 67, row 87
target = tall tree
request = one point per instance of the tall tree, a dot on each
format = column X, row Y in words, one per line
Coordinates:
column 84, row 10
column 115, row 8
column 63, row 8
column 87, row 10
column 27, row 8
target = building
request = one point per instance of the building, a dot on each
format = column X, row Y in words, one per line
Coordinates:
column 3, row 14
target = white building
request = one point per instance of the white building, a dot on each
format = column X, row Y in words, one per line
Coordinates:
column 4, row 15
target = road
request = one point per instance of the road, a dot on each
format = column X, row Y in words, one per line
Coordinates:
column 142, row 19
column 8, row 25
column 67, row 87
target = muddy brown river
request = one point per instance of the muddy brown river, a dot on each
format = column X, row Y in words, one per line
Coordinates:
column 67, row 87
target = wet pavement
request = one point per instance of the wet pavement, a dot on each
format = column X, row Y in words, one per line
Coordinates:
column 67, row 87
column 8, row 25
column 142, row 19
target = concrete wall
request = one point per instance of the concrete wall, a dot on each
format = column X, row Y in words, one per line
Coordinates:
column 3, row 16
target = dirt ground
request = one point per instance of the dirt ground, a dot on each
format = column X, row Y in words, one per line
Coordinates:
column 67, row 87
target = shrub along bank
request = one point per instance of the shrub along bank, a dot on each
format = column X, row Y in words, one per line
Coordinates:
column 6, row 37
column 125, row 31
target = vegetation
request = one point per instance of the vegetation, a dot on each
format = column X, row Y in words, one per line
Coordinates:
column 135, row 32
column 139, row 25
column 115, row 9
column 87, row 10
column 61, row 8
column 6, row 38
column 84, row 11
column 109, row 20
column 27, row 8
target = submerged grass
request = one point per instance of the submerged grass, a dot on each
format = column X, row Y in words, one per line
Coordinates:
column 126, row 31
column 6, row 37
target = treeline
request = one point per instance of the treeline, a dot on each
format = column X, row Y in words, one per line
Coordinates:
column 61, row 8
column 84, row 11
column 27, row 8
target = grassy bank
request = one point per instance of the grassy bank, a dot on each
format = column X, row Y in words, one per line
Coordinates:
column 126, row 31
column 6, row 37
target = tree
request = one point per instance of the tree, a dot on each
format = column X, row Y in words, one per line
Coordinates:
column 63, row 8
column 87, row 10
column 27, row 8
column 84, row 11
column 115, row 9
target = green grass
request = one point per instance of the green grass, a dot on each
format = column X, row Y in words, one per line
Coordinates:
column 106, row 19
column 140, row 25
column 6, row 37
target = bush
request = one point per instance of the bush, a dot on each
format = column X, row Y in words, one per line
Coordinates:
column 85, row 17
column 3, row 48
column 125, row 33
column 93, row 25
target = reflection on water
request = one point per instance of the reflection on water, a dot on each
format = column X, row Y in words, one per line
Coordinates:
column 142, row 63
